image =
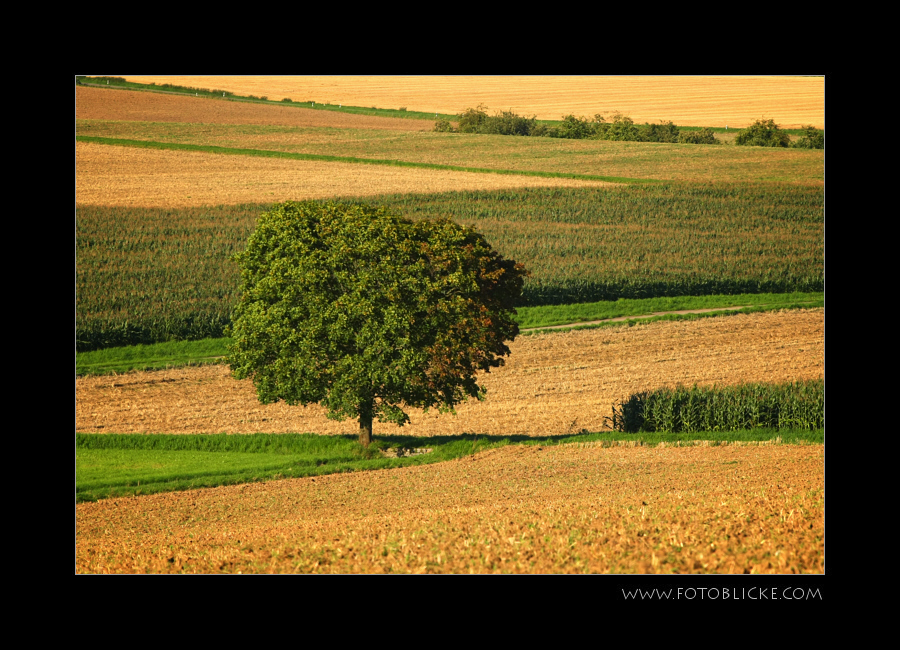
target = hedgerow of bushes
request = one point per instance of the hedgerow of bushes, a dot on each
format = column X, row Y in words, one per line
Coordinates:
column 765, row 133
column 619, row 128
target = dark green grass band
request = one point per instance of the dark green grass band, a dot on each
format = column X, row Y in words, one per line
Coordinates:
column 630, row 322
column 263, row 153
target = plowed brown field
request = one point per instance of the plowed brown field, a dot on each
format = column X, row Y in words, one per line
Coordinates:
column 110, row 175
column 510, row 510
column 131, row 106
column 687, row 101
column 551, row 384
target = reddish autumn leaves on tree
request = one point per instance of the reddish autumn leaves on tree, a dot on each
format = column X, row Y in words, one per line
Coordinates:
column 368, row 313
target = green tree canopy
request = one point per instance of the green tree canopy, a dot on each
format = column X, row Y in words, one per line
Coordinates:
column 368, row 313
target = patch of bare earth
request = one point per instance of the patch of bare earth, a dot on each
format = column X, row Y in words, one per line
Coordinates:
column 125, row 176
column 510, row 510
column 734, row 101
column 551, row 384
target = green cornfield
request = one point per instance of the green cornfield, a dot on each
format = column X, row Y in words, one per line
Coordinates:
column 795, row 405
column 146, row 275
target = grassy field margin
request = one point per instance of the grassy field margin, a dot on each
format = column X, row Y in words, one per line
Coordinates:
column 118, row 465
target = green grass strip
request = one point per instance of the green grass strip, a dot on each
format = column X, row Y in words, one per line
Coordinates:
column 264, row 153
column 630, row 322
column 112, row 465
column 544, row 316
column 176, row 354
column 156, row 356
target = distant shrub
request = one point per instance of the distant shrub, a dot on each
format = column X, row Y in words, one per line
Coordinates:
column 509, row 123
column 575, row 128
column 763, row 133
column 109, row 80
column 662, row 132
column 703, row 136
column 443, row 126
column 472, row 119
column 403, row 108
column 812, row 138
column 288, row 100
column 476, row 120
column 621, row 129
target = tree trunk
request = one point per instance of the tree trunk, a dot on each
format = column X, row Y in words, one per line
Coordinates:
column 365, row 425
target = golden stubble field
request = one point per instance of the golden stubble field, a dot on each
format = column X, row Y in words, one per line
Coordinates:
column 551, row 384
column 734, row 101
column 565, row 509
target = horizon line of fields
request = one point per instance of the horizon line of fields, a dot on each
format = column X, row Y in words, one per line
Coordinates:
column 173, row 354
column 400, row 113
column 268, row 153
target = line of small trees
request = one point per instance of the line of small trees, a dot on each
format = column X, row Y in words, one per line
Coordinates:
column 619, row 127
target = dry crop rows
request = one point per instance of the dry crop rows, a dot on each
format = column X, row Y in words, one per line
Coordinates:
column 687, row 101
column 552, row 384
column 510, row 510
column 108, row 175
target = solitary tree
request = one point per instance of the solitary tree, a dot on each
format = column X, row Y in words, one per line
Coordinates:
column 368, row 313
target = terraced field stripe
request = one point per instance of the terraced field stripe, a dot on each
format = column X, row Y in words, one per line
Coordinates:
column 263, row 153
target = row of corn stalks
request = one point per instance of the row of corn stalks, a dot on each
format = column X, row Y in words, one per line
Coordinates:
column 794, row 405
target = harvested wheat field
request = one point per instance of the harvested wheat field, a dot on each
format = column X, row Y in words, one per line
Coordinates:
column 551, row 384
column 519, row 509
column 734, row 101
column 132, row 106
column 125, row 176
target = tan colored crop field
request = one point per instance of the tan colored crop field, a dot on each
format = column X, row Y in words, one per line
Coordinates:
column 735, row 101
column 551, row 384
column 565, row 509
column 601, row 158
column 124, row 176
column 131, row 106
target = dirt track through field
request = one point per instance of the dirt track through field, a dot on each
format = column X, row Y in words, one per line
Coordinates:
column 551, row 384
column 510, row 510
column 734, row 101
column 125, row 176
